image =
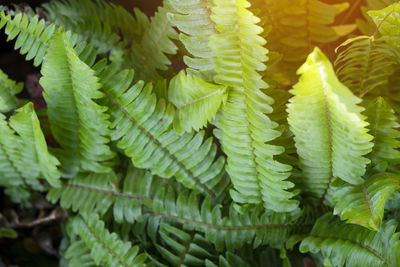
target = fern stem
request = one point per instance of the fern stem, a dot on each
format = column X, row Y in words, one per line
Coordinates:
column 187, row 247
column 107, row 192
column 226, row 227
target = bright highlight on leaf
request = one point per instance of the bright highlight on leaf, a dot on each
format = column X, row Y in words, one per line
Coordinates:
column 330, row 132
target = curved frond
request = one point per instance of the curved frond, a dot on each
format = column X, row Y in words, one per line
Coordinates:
column 330, row 132
column 78, row 123
column 105, row 247
column 23, row 153
column 192, row 17
column 78, row 254
column 384, row 127
column 366, row 64
column 33, row 37
column 26, row 124
column 149, row 55
column 352, row 245
column 364, row 204
column 256, row 176
column 143, row 129
column 196, row 100
column 8, row 90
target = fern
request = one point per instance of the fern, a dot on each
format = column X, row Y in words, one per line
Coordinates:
column 256, row 176
column 330, row 132
column 367, row 200
column 24, row 157
column 105, row 247
column 295, row 27
column 197, row 101
column 84, row 137
column 367, row 64
column 350, row 245
column 130, row 129
column 383, row 126
column 143, row 131
column 33, row 37
column 366, row 25
column 8, row 90
column 193, row 20
column 148, row 56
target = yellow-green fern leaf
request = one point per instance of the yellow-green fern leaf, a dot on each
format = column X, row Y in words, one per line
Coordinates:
column 330, row 132
column 256, row 176
column 77, row 122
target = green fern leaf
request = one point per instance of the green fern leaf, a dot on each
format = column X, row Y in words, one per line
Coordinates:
column 250, row 226
column 33, row 37
column 330, row 132
column 257, row 177
column 27, row 125
column 78, row 254
column 351, row 245
column 25, row 157
column 384, row 127
column 364, row 204
column 78, row 123
column 193, row 20
column 367, row 64
column 387, row 20
column 106, row 247
column 148, row 56
column 196, row 100
column 366, row 25
column 142, row 128
column 8, row 90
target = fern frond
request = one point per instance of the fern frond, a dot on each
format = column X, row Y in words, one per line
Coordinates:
column 364, row 204
column 366, row 64
column 193, row 20
column 24, row 157
column 366, row 25
column 251, row 226
column 8, row 90
column 297, row 26
column 351, row 245
column 78, row 254
column 143, row 129
column 257, row 177
column 387, row 20
column 87, row 193
column 26, row 124
column 78, row 123
column 106, row 247
column 330, row 132
column 383, row 125
column 33, row 37
column 196, row 100
column 80, row 12
column 149, row 55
